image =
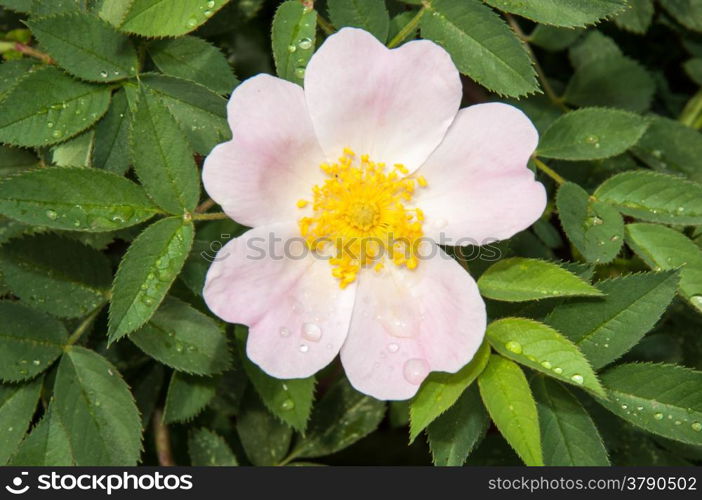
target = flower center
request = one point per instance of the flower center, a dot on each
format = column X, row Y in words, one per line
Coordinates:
column 359, row 218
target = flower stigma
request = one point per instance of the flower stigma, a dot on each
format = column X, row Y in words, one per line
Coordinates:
column 362, row 218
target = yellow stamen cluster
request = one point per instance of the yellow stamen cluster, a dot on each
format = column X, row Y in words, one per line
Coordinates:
column 359, row 219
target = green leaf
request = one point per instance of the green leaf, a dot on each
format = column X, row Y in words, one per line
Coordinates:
column 111, row 11
column 481, row 44
column 653, row 197
column 48, row 106
column 607, row 327
column 686, row 12
column 47, row 445
column 289, row 400
column 693, row 68
column 56, row 275
column 160, row 18
column 23, row 6
column 568, row 434
column 661, row 399
column 193, row 58
column 76, row 199
column 591, row 134
column 17, row 405
column 97, row 410
column 111, row 151
column 187, row 396
column 265, row 439
column 665, row 248
column 369, row 15
column 568, row 13
column 518, row 279
column 669, row 146
column 637, row 18
column 552, row 38
column 616, row 81
column 162, row 157
column 42, row 7
column 30, row 341
column 595, row 228
column 86, row 46
column 12, row 71
column 457, row 432
column 15, row 160
column 440, row 391
column 542, row 348
column 75, row 152
column 201, row 113
column 146, row 273
column 207, row 448
column 342, row 417
column 180, row 336
column 293, row 39
column 506, row 394
column 594, row 45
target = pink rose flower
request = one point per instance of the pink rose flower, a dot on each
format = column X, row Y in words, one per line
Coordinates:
column 374, row 147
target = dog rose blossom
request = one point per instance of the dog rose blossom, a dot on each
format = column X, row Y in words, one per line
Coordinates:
column 348, row 185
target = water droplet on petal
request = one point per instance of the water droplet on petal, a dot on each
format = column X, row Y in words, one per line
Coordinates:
column 393, row 347
column 304, row 348
column 284, row 332
column 440, row 223
column 311, row 332
column 415, row 370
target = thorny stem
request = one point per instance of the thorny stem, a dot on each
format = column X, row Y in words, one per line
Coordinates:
column 27, row 50
column 212, row 216
column 548, row 171
column 162, row 439
column 205, row 206
column 83, row 327
column 325, row 25
column 692, row 113
column 408, row 28
column 548, row 90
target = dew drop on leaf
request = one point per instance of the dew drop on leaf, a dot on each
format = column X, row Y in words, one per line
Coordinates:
column 513, row 346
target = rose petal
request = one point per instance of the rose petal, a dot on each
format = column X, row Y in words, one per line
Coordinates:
column 407, row 323
column 273, row 159
column 394, row 105
column 297, row 315
column 479, row 184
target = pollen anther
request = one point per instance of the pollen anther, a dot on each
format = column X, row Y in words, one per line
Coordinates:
column 360, row 218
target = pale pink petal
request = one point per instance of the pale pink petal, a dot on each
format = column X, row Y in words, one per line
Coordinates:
column 297, row 315
column 479, row 184
column 407, row 323
column 273, row 159
column 394, row 105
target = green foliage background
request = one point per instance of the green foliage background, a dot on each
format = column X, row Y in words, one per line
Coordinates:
column 108, row 355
